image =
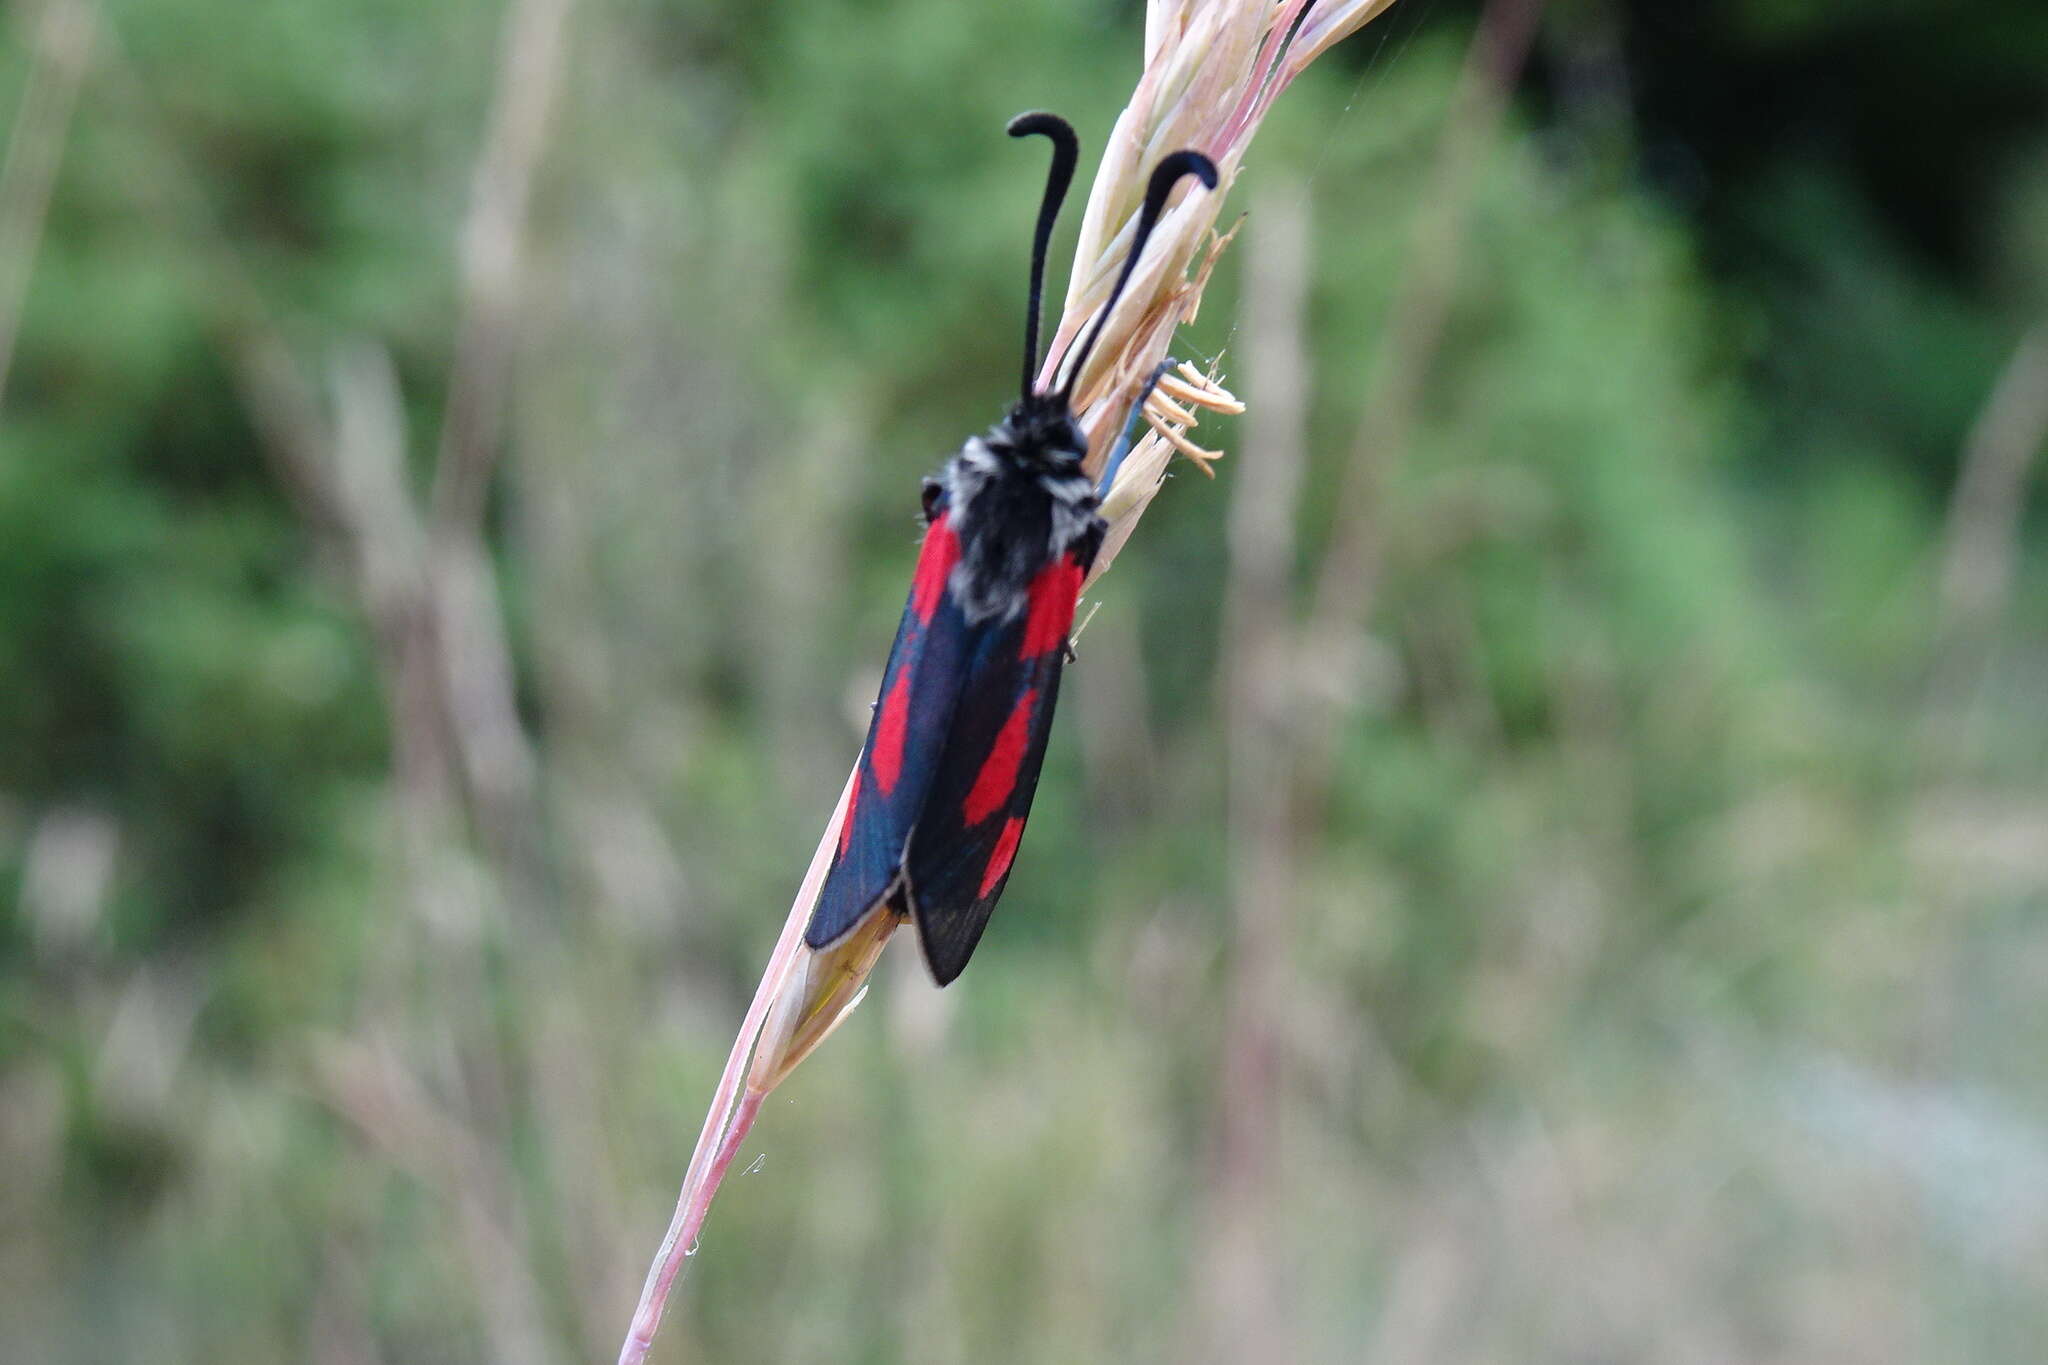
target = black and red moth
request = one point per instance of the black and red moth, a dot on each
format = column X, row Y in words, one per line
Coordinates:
column 951, row 762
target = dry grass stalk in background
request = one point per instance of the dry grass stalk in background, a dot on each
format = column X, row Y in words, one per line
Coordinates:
column 42, row 124
column 425, row 584
column 1245, row 1313
column 1212, row 71
column 1980, row 542
column 1279, row 748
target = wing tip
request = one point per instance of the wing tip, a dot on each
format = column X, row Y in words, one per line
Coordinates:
column 946, row 954
column 945, row 973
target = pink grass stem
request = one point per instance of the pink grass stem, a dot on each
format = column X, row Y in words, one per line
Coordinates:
column 681, row 1242
column 733, row 1109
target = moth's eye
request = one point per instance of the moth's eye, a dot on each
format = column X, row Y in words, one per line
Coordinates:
column 930, row 497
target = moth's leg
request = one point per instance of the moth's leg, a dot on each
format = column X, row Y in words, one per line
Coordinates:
column 1129, row 437
column 1089, row 546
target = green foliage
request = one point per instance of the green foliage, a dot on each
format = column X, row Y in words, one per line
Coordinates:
column 1659, row 895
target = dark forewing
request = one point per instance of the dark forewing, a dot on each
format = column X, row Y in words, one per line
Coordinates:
column 920, row 688
column 980, row 795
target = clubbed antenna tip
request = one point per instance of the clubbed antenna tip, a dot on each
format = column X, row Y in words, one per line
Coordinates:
column 1066, row 151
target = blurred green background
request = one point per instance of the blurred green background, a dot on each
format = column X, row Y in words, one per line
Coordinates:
column 458, row 468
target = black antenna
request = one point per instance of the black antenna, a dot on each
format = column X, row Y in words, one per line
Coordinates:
column 1066, row 150
column 1165, row 176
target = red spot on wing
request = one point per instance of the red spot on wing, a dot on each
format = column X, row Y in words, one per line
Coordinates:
column 998, row 775
column 1005, row 851
column 886, row 762
column 934, row 564
column 846, row 824
column 1053, row 594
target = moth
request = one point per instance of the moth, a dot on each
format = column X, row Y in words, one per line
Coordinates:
column 945, row 780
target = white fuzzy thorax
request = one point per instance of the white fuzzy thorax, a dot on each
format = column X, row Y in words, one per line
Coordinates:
column 966, row 477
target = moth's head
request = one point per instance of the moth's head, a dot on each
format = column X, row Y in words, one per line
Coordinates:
column 1040, row 427
column 1039, row 432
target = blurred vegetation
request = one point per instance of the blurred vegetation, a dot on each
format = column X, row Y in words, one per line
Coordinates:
column 1667, row 962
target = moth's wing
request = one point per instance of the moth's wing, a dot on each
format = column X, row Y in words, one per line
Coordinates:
column 920, row 688
column 964, row 843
